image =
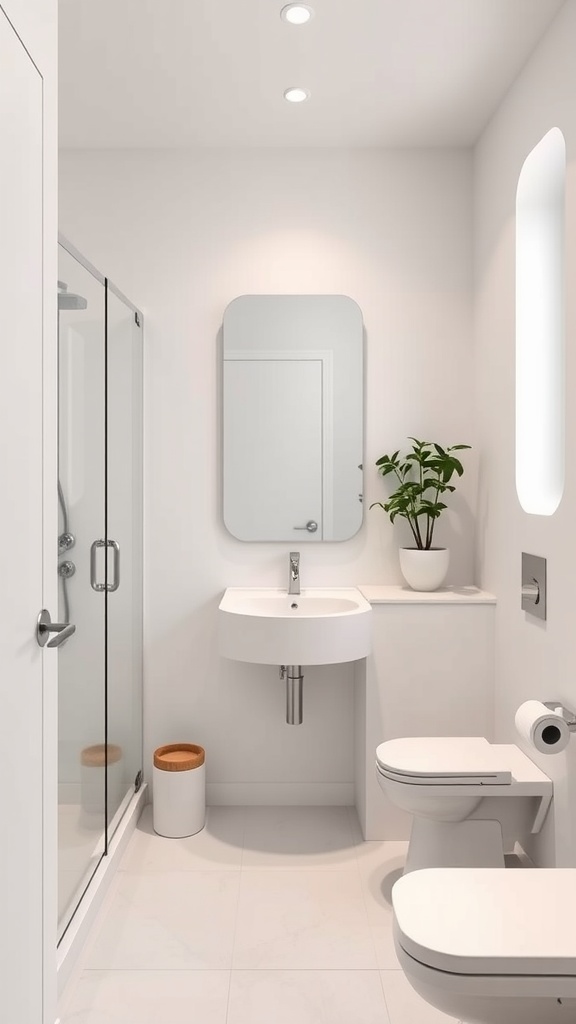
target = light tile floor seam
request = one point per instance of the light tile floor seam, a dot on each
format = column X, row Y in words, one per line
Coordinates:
column 358, row 847
column 384, row 995
column 233, row 944
column 359, row 861
column 355, row 827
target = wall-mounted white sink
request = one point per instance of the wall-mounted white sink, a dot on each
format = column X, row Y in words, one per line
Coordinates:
column 316, row 627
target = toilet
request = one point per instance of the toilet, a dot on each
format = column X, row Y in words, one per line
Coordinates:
column 490, row 946
column 471, row 799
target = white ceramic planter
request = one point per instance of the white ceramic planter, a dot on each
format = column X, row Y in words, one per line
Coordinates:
column 424, row 570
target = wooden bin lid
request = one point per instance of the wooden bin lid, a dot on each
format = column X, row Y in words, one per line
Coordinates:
column 95, row 757
column 178, row 757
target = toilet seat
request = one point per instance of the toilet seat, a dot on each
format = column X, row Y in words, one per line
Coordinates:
column 489, row 922
column 449, row 779
column 449, row 761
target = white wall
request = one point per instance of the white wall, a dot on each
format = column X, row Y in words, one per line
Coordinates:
column 182, row 235
column 534, row 660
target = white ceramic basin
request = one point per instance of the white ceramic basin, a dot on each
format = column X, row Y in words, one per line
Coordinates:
column 316, row 627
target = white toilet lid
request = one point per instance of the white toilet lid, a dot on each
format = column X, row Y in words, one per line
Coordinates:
column 489, row 920
column 444, row 758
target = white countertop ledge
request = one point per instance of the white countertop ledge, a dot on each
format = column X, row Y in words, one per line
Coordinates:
column 398, row 594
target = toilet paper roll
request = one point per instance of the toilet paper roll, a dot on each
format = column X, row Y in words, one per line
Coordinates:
column 544, row 729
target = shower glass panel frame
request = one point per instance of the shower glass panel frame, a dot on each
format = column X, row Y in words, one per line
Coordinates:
column 99, row 566
column 124, row 579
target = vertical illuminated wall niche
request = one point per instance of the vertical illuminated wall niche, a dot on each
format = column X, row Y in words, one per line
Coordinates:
column 540, row 201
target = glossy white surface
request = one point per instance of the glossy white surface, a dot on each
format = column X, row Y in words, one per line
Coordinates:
column 424, row 758
column 493, row 999
column 514, row 775
column 309, row 892
column 315, row 627
column 454, row 802
column 500, row 803
column 478, row 921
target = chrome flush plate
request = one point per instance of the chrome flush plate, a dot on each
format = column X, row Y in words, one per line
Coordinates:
column 534, row 585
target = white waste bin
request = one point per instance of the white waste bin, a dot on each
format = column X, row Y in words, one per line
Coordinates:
column 179, row 795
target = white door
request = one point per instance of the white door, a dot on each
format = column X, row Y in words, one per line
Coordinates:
column 21, row 549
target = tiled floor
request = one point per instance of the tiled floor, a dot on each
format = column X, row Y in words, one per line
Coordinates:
column 268, row 916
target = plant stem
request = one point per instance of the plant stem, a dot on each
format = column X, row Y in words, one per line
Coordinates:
column 416, row 520
column 431, row 522
column 415, row 534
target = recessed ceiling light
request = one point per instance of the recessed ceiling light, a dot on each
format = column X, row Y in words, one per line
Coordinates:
column 296, row 14
column 296, row 95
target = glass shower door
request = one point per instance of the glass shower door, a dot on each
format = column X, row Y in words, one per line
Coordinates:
column 124, row 551
column 81, row 501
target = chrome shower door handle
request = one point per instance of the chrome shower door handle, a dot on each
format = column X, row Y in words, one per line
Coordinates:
column 93, row 549
column 311, row 526
column 93, row 554
column 45, row 626
column 116, row 549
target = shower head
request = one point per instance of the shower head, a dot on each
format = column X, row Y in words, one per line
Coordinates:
column 68, row 300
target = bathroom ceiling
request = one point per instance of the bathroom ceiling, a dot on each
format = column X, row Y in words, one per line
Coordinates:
column 208, row 73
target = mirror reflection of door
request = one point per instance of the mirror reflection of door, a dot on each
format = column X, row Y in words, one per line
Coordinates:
column 292, row 417
column 275, row 453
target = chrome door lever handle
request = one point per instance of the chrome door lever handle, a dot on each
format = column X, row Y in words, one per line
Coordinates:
column 45, row 626
column 311, row 526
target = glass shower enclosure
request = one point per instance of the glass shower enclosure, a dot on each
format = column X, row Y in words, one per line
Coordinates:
column 99, row 568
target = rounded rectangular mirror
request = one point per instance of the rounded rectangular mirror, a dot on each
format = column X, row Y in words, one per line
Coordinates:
column 292, row 417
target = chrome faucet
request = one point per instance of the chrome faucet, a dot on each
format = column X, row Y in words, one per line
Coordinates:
column 294, row 578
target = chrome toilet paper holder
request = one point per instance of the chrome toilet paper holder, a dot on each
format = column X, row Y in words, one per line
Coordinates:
column 568, row 715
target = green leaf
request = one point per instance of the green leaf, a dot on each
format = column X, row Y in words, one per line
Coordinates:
column 422, row 475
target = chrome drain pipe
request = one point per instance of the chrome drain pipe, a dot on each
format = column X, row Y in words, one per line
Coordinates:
column 294, row 689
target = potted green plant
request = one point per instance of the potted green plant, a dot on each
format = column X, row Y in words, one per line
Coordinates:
column 423, row 476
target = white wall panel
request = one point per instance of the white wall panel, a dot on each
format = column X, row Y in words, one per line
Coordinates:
column 533, row 659
column 184, row 234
